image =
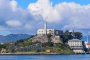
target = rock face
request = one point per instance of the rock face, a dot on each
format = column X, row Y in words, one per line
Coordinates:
column 55, row 39
column 44, row 39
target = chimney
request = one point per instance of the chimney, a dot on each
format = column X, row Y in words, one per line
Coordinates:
column 87, row 39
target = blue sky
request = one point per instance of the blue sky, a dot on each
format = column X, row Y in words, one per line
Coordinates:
column 24, row 3
column 27, row 16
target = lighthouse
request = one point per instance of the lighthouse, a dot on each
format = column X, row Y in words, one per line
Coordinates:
column 45, row 27
column 87, row 39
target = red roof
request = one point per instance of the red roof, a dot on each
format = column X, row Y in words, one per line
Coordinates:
column 87, row 44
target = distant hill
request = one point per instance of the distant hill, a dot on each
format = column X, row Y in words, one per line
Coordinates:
column 13, row 37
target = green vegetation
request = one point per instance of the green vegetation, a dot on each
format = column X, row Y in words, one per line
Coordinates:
column 63, row 48
column 70, row 35
column 29, row 42
column 78, row 35
column 49, row 35
column 59, row 48
column 2, row 46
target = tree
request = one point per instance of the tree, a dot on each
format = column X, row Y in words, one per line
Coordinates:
column 78, row 35
column 2, row 46
column 49, row 35
column 67, row 36
column 66, row 32
column 63, row 38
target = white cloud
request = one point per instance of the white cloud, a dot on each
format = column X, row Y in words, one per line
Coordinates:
column 45, row 9
column 13, row 23
column 13, row 5
column 62, row 16
column 16, row 20
column 28, row 26
column 72, row 15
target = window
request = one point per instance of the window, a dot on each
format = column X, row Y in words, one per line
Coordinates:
column 56, row 32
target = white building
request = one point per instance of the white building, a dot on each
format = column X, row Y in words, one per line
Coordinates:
column 87, row 44
column 51, row 31
column 47, row 31
column 77, row 45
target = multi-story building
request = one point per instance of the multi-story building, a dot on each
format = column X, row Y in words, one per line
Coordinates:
column 47, row 31
column 77, row 45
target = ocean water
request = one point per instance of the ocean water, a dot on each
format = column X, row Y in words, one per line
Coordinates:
column 45, row 57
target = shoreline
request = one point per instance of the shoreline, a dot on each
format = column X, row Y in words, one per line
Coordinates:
column 41, row 53
column 36, row 53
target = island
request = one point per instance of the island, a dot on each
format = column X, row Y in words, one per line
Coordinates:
column 46, row 44
column 46, row 41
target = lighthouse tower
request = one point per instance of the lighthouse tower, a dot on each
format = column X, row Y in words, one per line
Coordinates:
column 87, row 39
column 45, row 27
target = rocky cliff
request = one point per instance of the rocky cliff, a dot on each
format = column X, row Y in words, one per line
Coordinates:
column 55, row 39
column 44, row 38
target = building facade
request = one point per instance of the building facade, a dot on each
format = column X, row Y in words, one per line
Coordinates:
column 49, row 31
column 77, row 45
column 87, row 45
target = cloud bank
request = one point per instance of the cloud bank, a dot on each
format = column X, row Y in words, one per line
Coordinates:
column 62, row 16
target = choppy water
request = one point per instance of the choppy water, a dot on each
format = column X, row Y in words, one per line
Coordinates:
column 45, row 57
